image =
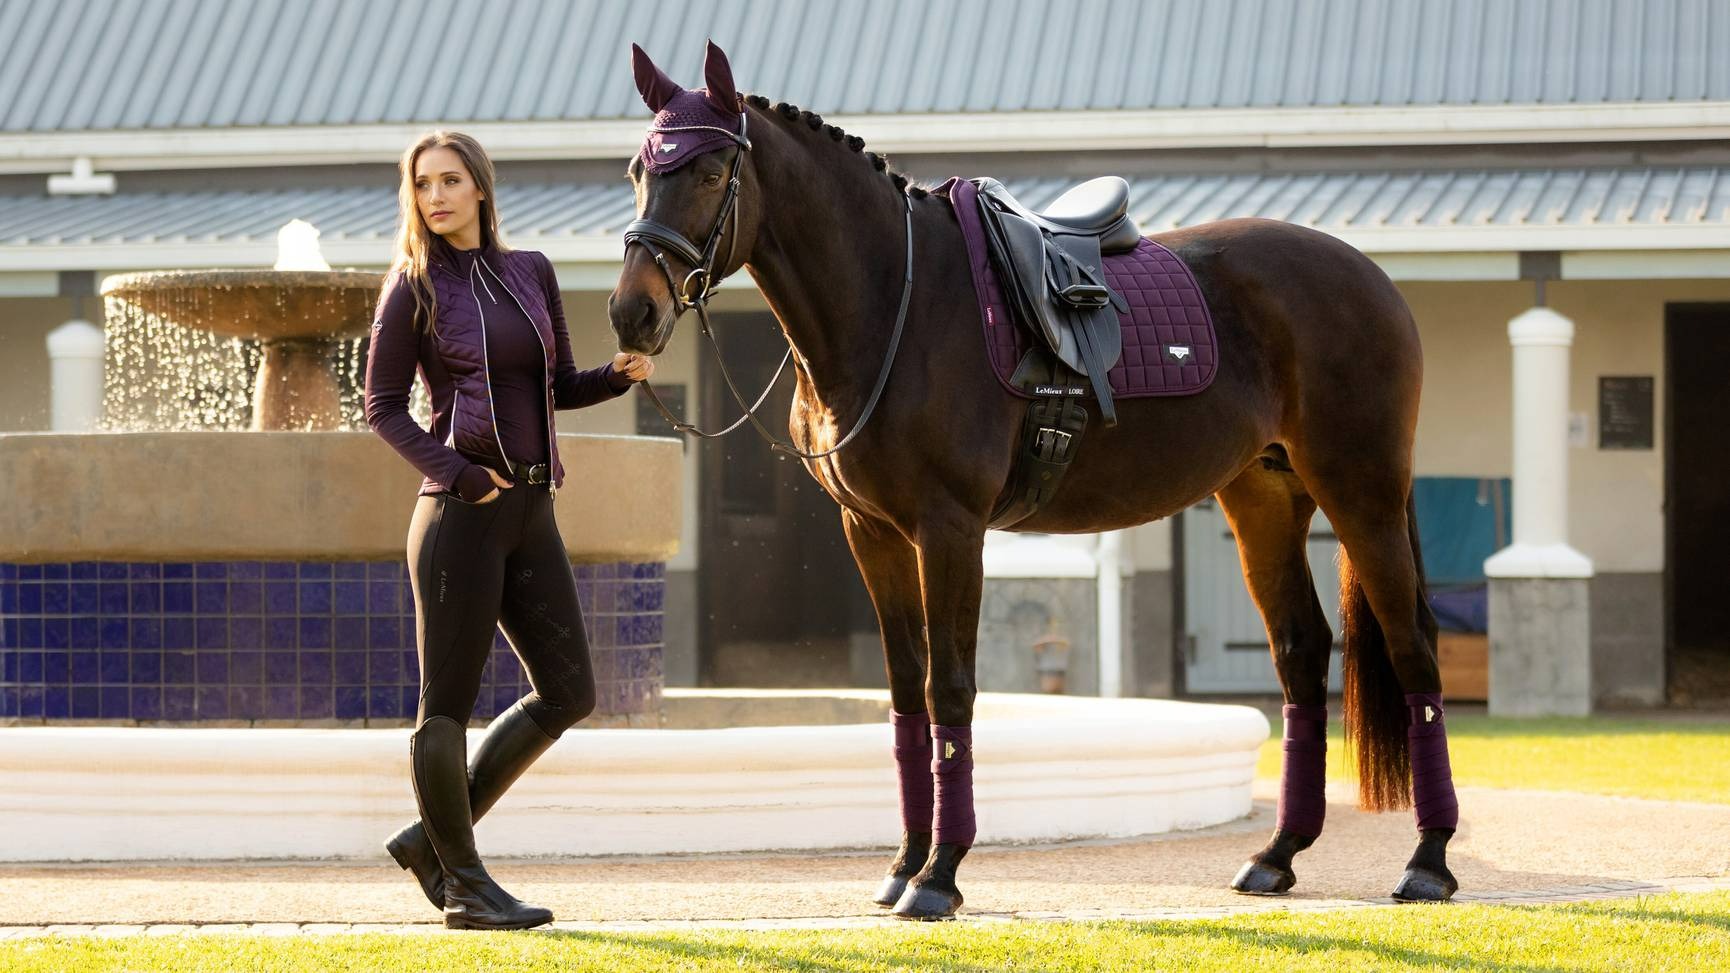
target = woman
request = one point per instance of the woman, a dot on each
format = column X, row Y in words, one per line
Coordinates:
column 486, row 330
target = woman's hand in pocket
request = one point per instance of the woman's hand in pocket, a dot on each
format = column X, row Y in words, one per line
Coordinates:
column 499, row 483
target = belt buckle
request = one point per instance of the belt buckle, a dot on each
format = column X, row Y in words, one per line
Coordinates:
column 538, row 474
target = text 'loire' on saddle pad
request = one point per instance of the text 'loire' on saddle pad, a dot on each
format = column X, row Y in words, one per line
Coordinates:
column 1168, row 339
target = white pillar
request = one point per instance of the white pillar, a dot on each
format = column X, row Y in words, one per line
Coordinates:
column 1541, row 339
column 1110, row 556
column 75, row 376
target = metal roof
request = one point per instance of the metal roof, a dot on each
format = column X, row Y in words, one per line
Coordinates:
column 544, row 215
column 81, row 65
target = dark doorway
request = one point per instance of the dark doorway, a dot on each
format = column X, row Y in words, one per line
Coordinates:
column 778, row 592
column 1697, row 502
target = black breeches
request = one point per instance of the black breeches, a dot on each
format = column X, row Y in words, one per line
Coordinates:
column 474, row 566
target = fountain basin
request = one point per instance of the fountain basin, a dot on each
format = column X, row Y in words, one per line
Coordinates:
column 1048, row 768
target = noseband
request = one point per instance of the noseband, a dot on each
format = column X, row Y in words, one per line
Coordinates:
column 698, row 286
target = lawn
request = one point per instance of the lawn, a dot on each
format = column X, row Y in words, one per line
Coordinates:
column 1670, row 932
column 1668, row 759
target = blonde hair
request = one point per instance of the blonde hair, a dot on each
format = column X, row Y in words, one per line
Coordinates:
column 414, row 237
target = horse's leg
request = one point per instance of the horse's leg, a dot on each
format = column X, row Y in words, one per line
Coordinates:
column 951, row 577
column 1270, row 513
column 1393, row 682
column 890, row 566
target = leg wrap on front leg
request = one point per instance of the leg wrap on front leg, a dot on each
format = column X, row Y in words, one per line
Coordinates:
column 952, row 768
column 1433, row 800
column 1303, row 777
column 913, row 764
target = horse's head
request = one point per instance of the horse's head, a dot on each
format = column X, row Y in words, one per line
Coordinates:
column 691, row 177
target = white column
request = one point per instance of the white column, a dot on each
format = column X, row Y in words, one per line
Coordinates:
column 1110, row 556
column 1541, row 339
column 75, row 376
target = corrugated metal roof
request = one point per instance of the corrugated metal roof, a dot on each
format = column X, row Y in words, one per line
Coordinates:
column 74, row 65
column 1338, row 201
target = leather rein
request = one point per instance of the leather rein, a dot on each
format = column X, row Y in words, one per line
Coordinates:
column 698, row 286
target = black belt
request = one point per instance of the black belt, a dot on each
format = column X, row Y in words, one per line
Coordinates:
column 537, row 474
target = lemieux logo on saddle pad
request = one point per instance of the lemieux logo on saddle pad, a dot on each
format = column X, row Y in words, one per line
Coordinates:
column 1178, row 353
column 1059, row 390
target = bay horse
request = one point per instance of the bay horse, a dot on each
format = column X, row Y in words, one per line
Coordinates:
column 1314, row 404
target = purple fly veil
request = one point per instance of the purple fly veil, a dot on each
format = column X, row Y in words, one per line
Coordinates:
column 687, row 123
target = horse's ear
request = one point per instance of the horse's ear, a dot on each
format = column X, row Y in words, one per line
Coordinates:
column 652, row 83
column 718, row 75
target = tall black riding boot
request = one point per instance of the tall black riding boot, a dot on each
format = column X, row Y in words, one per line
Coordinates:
column 513, row 742
column 472, row 900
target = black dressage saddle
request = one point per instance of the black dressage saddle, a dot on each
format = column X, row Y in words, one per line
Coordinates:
column 1049, row 264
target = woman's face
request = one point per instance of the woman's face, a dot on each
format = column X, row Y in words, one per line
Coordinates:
column 448, row 198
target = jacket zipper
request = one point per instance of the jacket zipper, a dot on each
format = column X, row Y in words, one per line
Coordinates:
column 456, row 403
column 546, row 377
column 486, row 364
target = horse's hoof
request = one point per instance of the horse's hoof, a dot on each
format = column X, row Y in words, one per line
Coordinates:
column 927, row 902
column 890, row 891
column 1258, row 878
column 1424, row 885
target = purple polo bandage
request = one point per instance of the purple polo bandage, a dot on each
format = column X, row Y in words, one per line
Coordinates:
column 952, row 766
column 913, row 763
column 1433, row 800
column 1303, row 801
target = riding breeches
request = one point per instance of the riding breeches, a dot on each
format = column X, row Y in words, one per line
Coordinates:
column 474, row 566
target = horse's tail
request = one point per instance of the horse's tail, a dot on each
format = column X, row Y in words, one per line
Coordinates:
column 1376, row 715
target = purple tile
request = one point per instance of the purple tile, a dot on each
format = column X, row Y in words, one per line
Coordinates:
column 86, row 633
column 29, row 666
column 246, row 597
column 146, row 667
column 30, row 701
column 351, row 702
column 211, row 703
column 110, row 571
column 248, row 570
column 279, row 633
column 315, row 668
column 29, row 572
column 86, row 668
column 349, row 633
column 8, row 597
column 86, row 598
column 178, row 633
column 116, row 703
column 349, row 668
column 56, row 667
column 213, row 633
column 316, row 703
column 146, row 597
column 281, row 570
column 279, row 597
column 212, row 570
column 9, row 666
column 281, row 668
column 56, row 572
column 315, row 569
column 178, row 570
column 281, row 702
column 112, row 598
column 383, row 633
column 212, row 597
column 86, row 702
column 8, row 571
column 246, row 667
column 212, row 668
column 30, row 599
column 56, row 597
column 314, row 597
column 140, row 570
column 246, row 632
column 176, row 597
column 29, row 633
column 315, row 633
column 245, row 703
column 114, row 633
column 116, row 667
column 179, row 668
column 147, row 702
column 505, row 667
column 9, row 700
column 391, row 570
column 382, row 597
column 384, row 667
column 180, row 704
column 350, row 570
column 80, row 569
column 56, row 702
column 410, row 700
column 384, row 702
column 348, row 597
column 56, row 633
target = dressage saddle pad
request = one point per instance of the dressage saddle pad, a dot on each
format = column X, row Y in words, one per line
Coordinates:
column 1168, row 338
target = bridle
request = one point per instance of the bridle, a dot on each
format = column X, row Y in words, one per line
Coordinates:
column 697, row 287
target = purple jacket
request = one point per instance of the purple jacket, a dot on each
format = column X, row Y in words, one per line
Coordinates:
column 464, row 437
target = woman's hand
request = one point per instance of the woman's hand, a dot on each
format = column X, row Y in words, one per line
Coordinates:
column 499, row 483
column 637, row 368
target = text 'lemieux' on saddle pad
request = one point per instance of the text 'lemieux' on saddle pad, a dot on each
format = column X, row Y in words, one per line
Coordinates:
column 1168, row 341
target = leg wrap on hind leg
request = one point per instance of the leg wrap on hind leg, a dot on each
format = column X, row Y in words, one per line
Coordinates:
column 1303, row 800
column 1433, row 800
column 952, row 768
column 913, row 764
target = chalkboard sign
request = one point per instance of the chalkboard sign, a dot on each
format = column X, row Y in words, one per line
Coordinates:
column 649, row 419
column 1624, row 412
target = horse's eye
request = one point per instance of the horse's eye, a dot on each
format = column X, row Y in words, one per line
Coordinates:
column 712, row 179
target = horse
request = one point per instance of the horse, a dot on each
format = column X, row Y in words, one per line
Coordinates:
column 897, row 415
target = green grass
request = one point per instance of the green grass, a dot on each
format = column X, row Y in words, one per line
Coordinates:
column 1670, row 932
column 1667, row 759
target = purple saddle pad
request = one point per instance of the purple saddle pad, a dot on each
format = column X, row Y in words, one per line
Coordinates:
column 1168, row 339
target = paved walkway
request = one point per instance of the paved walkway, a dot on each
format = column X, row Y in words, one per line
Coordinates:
column 1515, row 847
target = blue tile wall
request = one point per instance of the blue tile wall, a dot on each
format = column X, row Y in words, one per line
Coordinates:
column 314, row 642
